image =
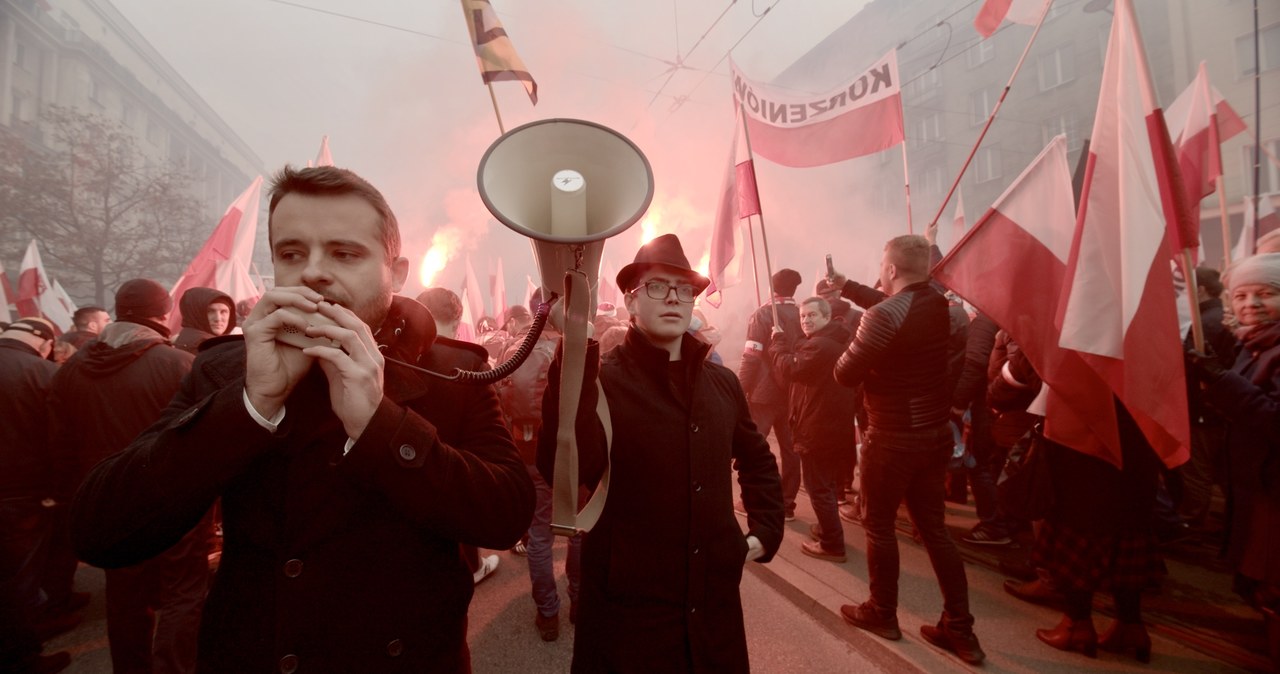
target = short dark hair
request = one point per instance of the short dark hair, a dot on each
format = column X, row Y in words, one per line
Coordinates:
column 823, row 305
column 83, row 315
column 443, row 304
column 331, row 181
column 1209, row 279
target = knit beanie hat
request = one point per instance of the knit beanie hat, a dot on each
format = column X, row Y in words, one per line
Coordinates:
column 1257, row 270
column 785, row 282
column 142, row 298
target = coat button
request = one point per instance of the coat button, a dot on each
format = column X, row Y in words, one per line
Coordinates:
column 697, row 486
column 693, row 427
column 695, row 550
column 395, row 647
column 693, row 609
column 289, row 664
column 408, row 453
column 293, row 568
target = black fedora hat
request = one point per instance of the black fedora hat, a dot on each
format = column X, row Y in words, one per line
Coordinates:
column 663, row 251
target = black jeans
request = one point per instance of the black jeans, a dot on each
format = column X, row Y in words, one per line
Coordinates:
column 917, row 475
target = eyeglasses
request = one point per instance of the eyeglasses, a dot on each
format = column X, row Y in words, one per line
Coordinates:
column 661, row 290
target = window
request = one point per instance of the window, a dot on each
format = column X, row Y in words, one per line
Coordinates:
column 19, row 108
column 980, row 53
column 933, row 181
column 1064, row 123
column 128, row 114
column 155, row 134
column 1268, row 175
column 1268, row 51
column 986, row 164
column 1057, row 67
column 922, row 85
column 980, row 104
column 94, row 92
column 928, row 129
column 20, row 56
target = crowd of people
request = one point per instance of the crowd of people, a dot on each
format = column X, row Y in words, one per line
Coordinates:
column 351, row 493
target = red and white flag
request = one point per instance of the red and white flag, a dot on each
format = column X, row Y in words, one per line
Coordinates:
column 1023, row 242
column 495, row 54
column 33, row 283
column 993, row 12
column 6, row 296
column 466, row 324
column 860, row 117
column 1268, row 220
column 473, row 298
column 1200, row 120
column 58, row 307
column 498, row 291
column 323, row 157
column 739, row 199
column 1265, row 221
column 1119, row 304
column 226, row 257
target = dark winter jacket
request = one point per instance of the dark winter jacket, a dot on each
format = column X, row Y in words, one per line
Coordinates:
column 900, row 353
column 109, row 391
column 822, row 409
column 194, row 306
column 1248, row 398
column 1219, row 338
column 661, row 568
column 331, row 562
column 27, row 464
column 761, row 383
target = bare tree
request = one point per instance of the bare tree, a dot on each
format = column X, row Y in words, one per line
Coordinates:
column 101, row 211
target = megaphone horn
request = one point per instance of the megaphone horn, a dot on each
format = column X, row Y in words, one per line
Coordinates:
column 568, row 185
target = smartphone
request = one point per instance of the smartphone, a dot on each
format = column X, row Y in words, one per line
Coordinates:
column 293, row 335
column 831, row 269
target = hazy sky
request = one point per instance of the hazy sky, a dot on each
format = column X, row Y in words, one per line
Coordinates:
column 403, row 104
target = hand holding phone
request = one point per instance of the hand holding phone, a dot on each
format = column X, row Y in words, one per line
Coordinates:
column 831, row 270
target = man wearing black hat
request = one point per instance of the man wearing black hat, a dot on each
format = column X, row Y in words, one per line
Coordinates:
column 766, row 391
column 660, row 570
column 26, row 466
column 102, row 397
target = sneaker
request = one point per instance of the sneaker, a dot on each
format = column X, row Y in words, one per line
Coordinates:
column 739, row 508
column 790, row 515
column 980, row 535
column 815, row 549
column 863, row 616
column 487, row 566
column 964, row 645
column 521, row 548
column 548, row 626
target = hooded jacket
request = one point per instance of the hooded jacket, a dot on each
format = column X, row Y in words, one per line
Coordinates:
column 109, row 391
column 195, row 317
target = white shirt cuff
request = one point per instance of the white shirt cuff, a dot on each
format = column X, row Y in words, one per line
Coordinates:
column 755, row 549
column 270, row 424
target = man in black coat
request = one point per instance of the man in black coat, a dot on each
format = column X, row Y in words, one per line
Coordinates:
column 101, row 398
column 821, row 417
column 661, row 568
column 27, row 467
column 348, row 479
column 900, row 354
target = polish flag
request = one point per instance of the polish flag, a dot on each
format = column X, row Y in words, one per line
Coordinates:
column 1118, row 308
column 739, row 199
column 1023, row 242
column 1200, row 120
column 498, row 291
column 323, row 157
column 860, row 117
column 6, row 296
column 466, row 325
column 474, row 298
column 993, row 12
column 1267, row 221
column 33, row 283
column 59, row 307
column 225, row 259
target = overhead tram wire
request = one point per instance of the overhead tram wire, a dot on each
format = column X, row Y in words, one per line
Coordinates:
column 363, row 20
column 679, row 64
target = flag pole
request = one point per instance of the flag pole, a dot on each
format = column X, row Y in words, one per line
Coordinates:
column 755, row 264
column 496, row 113
column 994, row 111
column 906, row 184
column 764, row 238
column 1189, row 273
column 1226, row 222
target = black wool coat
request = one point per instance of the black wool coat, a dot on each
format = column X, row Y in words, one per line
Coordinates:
column 660, row 570
column 822, row 409
column 331, row 562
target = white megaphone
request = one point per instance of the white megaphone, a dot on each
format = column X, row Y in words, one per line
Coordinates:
column 567, row 185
